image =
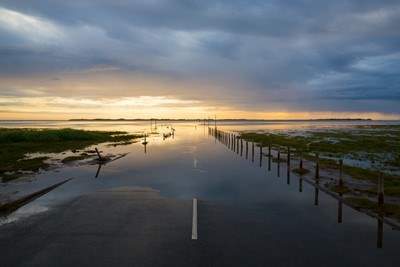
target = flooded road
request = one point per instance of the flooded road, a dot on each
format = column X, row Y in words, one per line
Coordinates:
column 247, row 214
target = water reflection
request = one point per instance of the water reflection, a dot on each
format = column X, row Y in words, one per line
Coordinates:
column 316, row 186
column 191, row 165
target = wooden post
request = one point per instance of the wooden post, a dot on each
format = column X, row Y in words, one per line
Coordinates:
column 237, row 145
column 98, row 154
column 301, row 161
column 252, row 151
column 288, row 165
column 269, row 150
column 261, row 155
column 247, row 150
column 269, row 158
column 381, row 190
column 317, row 167
column 241, row 147
column 341, row 173
column 279, row 163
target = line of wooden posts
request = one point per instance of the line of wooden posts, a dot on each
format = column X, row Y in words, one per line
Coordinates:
column 235, row 143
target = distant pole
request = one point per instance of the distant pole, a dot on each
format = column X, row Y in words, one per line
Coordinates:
column 252, row 151
column 301, row 161
column 317, row 166
column 279, row 163
column 215, row 121
column 381, row 190
column 241, row 147
column 288, row 165
column 98, row 154
column 341, row 173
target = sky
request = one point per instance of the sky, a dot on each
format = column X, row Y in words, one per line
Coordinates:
column 260, row 59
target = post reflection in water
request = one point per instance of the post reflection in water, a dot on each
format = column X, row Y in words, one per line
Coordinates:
column 98, row 170
column 316, row 194
column 340, row 209
column 300, row 184
column 379, row 241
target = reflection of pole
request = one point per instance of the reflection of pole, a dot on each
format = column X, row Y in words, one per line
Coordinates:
column 98, row 170
column 300, row 184
column 381, row 207
column 340, row 209
column 379, row 242
column 261, row 155
column 316, row 202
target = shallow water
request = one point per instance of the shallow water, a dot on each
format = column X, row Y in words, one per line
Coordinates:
column 194, row 164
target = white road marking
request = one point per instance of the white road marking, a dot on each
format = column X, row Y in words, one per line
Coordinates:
column 194, row 220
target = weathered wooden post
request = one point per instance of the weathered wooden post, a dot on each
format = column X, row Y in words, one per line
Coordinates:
column 301, row 161
column 381, row 190
column 341, row 173
column 317, row 166
column 237, row 145
column 98, row 154
column 261, row 154
column 269, row 157
column 279, row 163
column 252, row 151
column 269, row 150
column 247, row 149
column 241, row 147
column 288, row 166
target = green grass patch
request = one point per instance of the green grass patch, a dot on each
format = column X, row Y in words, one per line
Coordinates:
column 16, row 143
column 75, row 158
column 301, row 171
column 389, row 210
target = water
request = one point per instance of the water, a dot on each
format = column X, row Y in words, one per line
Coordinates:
column 195, row 164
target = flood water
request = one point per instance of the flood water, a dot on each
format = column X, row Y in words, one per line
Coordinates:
column 193, row 164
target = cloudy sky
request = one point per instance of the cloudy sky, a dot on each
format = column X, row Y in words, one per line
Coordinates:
column 266, row 59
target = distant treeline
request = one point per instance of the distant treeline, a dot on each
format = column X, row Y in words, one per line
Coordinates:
column 251, row 120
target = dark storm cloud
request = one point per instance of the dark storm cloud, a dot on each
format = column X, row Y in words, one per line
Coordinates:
column 296, row 53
